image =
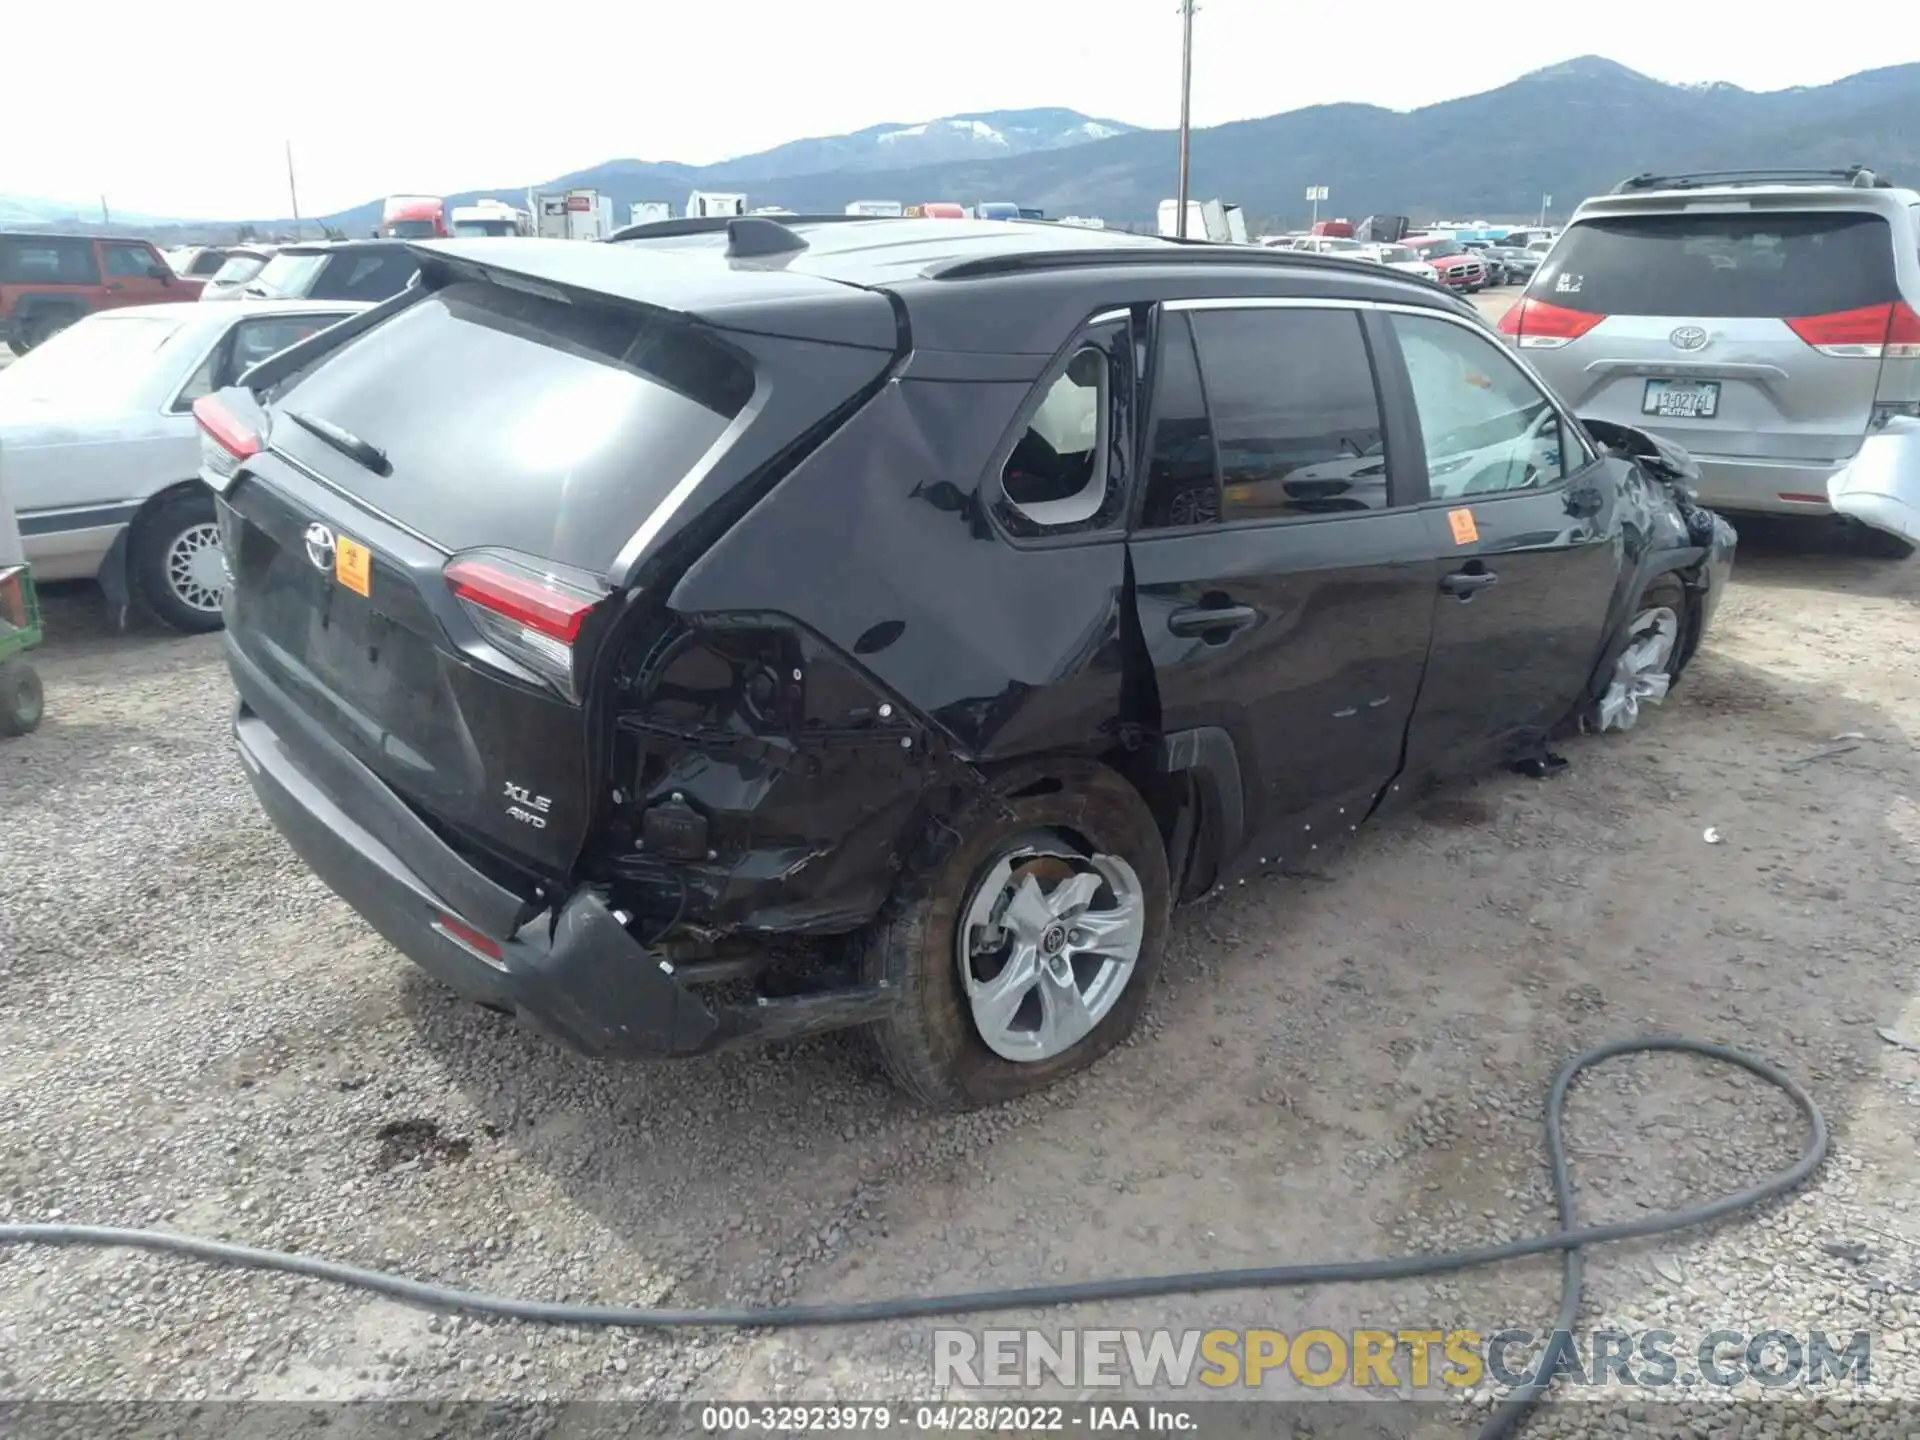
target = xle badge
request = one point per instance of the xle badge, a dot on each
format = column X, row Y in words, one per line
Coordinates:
column 1465, row 532
column 527, row 807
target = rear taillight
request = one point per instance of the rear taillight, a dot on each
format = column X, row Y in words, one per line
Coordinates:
column 527, row 611
column 225, row 439
column 1536, row 325
column 1869, row 333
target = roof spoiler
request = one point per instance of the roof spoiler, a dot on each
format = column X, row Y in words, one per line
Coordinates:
column 1858, row 176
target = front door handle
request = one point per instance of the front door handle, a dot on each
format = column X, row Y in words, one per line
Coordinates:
column 1211, row 621
column 1465, row 584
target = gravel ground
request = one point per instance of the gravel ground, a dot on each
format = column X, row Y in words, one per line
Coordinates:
column 195, row 1034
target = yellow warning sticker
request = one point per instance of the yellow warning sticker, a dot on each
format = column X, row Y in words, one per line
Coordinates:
column 1465, row 532
column 353, row 564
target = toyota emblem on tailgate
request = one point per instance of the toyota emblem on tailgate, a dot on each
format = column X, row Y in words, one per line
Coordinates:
column 320, row 546
column 1688, row 337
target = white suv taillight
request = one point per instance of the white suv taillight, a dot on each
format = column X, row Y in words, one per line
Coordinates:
column 529, row 612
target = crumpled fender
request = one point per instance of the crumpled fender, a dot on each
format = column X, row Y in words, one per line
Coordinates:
column 1881, row 485
column 1666, row 532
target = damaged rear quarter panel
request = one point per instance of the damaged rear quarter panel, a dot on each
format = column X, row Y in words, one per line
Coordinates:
column 879, row 543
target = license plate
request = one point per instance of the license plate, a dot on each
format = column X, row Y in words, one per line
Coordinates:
column 1681, row 399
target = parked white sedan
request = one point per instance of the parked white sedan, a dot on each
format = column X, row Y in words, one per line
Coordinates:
column 101, row 453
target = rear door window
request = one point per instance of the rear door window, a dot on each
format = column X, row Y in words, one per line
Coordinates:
column 1744, row 266
column 1295, row 413
column 512, row 419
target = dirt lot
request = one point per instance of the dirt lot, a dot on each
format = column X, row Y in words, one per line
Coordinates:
column 1346, row 1063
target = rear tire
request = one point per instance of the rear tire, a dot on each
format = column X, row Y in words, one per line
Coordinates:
column 22, row 702
column 42, row 328
column 177, row 565
column 932, row 1045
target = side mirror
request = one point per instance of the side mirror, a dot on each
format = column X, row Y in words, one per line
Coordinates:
column 162, row 273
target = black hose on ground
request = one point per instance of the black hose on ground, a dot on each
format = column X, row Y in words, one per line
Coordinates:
column 1570, row 1240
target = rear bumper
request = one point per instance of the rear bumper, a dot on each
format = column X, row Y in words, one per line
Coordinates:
column 1767, row 487
column 573, row 973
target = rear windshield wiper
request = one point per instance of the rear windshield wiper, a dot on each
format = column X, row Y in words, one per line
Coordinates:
column 347, row 443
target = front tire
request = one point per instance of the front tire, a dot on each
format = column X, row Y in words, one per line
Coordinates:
column 1026, row 952
column 177, row 563
column 1659, row 644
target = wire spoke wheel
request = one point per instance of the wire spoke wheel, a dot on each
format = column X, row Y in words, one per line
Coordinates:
column 1047, row 943
column 196, row 572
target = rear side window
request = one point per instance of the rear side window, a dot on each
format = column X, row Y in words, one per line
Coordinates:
column 207, row 262
column 1067, row 471
column 511, row 419
column 1295, row 413
column 29, row 260
column 1733, row 266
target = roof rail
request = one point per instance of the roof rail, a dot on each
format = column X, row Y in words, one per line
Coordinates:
column 1858, row 176
column 714, row 224
column 1180, row 252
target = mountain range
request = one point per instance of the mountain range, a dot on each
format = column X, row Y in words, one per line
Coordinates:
column 1567, row 131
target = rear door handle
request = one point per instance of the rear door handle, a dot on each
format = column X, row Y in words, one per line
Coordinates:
column 1207, row 620
column 1465, row 584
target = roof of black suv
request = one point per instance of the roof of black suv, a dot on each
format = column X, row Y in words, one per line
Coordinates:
column 811, row 283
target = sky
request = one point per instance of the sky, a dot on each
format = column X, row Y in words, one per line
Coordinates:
column 171, row 118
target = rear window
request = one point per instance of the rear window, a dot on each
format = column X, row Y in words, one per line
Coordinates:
column 290, row 274
column 1732, row 266
column 364, row 275
column 511, row 419
column 238, row 269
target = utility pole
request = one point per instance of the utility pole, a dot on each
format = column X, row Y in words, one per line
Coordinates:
column 106, row 216
column 1187, row 7
column 1545, row 201
column 293, row 191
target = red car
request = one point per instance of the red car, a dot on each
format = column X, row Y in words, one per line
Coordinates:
column 1459, row 268
column 49, row 281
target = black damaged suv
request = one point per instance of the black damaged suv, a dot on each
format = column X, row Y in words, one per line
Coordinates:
column 750, row 628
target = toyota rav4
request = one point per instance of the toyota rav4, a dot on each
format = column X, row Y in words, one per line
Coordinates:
column 756, row 627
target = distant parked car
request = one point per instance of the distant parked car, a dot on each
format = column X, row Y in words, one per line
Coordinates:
column 1769, row 325
column 1518, row 264
column 1331, row 245
column 1404, row 259
column 242, row 264
column 102, row 454
column 49, row 281
column 1496, row 269
column 369, row 270
column 1459, row 268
